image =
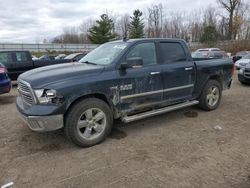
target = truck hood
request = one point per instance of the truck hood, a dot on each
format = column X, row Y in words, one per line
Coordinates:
column 41, row 77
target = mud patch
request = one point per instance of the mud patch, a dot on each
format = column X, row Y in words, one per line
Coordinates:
column 7, row 99
column 46, row 148
column 25, row 138
column 141, row 155
column 191, row 114
column 117, row 134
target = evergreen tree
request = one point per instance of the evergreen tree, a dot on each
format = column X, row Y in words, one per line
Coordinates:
column 103, row 30
column 209, row 35
column 136, row 26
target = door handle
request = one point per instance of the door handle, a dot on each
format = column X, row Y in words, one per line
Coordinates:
column 188, row 68
column 154, row 73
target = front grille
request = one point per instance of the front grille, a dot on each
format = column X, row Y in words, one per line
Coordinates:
column 247, row 73
column 25, row 92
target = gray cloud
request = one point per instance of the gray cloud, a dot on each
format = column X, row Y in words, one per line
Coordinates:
column 32, row 21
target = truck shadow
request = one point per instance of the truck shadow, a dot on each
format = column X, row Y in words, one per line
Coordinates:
column 165, row 119
column 34, row 142
column 117, row 134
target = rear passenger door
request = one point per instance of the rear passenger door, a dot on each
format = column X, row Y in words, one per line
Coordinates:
column 178, row 73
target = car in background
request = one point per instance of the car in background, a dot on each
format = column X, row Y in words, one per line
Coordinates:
column 75, row 56
column 17, row 62
column 210, row 54
column 47, row 57
column 239, row 55
column 242, row 62
column 34, row 57
column 61, row 56
column 5, row 82
column 244, row 74
column 208, row 49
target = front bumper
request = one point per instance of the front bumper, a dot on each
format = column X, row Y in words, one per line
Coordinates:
column 44, row 123
column 41, row 118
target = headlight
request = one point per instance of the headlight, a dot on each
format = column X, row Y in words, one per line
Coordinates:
column 47, row 96
column 241, row 71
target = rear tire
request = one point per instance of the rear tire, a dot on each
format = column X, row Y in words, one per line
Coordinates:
column 88, row 122
column 211, row 96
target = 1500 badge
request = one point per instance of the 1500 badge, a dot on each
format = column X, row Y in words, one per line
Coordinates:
column 126, row 87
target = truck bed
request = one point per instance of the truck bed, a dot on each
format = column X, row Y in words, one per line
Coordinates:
column 220, row 68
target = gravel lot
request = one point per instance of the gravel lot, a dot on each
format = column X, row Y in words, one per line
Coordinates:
column 178, row 149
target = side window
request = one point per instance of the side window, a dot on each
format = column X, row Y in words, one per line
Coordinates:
column 5, row 57
column 146, row 51
column 21, row 56
column 172, row 52
column 79, row 57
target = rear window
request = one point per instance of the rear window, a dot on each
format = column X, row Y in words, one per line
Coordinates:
column 5, row 57
column 172, row 52
column 199, row 55
column 21, row 56
column 217, row 55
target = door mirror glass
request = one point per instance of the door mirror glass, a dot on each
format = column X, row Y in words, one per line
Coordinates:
column 133, row 62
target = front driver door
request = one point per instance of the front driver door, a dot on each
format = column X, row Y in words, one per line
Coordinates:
column 141, row 88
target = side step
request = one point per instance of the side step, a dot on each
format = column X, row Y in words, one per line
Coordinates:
column 143, row 115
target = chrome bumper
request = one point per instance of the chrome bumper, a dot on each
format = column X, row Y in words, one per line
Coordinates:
column 44, row 123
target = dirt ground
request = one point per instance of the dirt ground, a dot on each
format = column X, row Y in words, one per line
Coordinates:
column 185, row 148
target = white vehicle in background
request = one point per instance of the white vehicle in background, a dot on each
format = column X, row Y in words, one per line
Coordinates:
column 208, row 49
column 60, row 56
column 242, row 62
column 34, row 57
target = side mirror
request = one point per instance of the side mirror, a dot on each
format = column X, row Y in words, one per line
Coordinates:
column 134, row 62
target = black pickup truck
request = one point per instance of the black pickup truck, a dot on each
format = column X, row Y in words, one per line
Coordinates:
column 129, row 80
column 18, row 62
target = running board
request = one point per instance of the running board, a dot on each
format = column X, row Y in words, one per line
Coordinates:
column 143, row 115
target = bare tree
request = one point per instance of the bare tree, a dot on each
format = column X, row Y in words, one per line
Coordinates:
column 210, row 16
column 123, row 26
column 155, row 20
column 230, row 6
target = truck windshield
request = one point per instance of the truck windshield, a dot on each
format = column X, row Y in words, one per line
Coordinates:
column 104, row 54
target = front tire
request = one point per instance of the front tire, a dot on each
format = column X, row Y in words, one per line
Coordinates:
column 88, row 122
column 211, row 96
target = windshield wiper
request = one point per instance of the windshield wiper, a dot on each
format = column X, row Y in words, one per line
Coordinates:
column 91, row 63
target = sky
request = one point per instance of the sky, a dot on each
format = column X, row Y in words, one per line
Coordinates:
column 30, row 21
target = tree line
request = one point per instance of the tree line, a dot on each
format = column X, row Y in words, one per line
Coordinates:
column 229, row 20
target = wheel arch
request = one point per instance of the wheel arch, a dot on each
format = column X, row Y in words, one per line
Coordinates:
column 215, row 77
column 100, row 96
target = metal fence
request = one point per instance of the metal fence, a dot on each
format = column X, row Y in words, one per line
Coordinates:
column 226, row 45
column 47, row 47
